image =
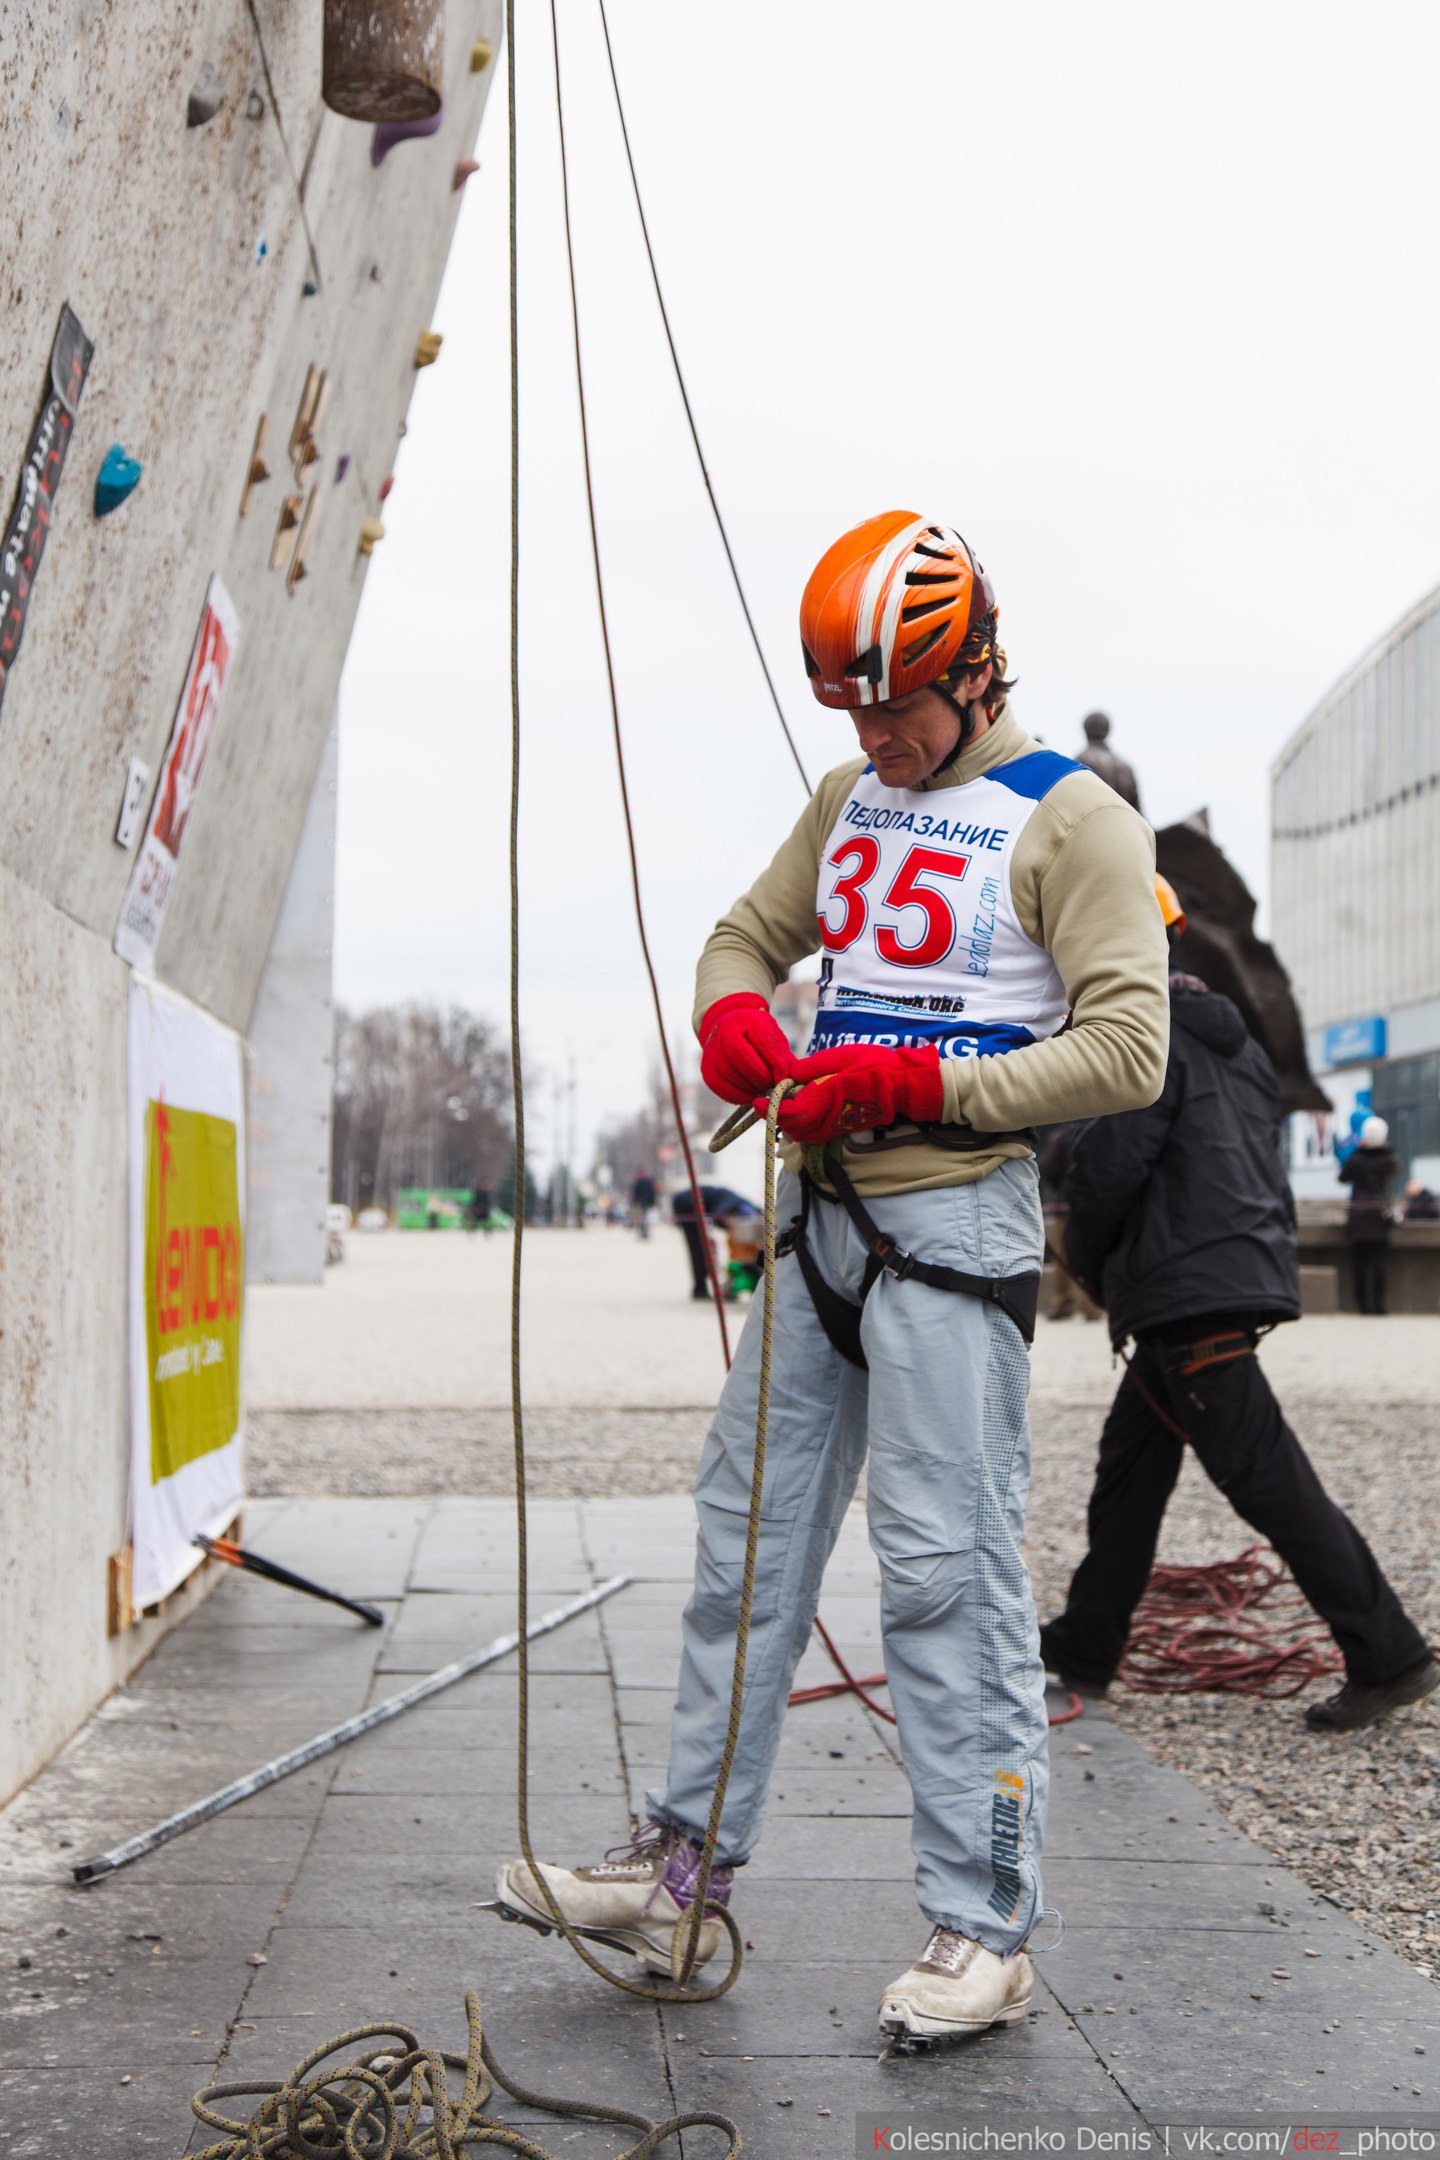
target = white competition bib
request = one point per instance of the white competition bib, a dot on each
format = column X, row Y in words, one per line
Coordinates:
column 920, row 935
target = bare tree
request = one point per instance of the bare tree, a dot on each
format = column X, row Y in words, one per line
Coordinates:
column 422, row 1097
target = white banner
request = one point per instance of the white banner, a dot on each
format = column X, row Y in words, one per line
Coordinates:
column 187, row 1272
column 148, row 893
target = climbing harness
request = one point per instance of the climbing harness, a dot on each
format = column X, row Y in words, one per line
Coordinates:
column 1017, row 1296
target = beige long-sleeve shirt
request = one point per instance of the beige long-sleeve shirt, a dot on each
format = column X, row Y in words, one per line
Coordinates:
column 1082, row 880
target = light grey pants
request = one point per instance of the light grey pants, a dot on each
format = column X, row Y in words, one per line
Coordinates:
column 942, row 1412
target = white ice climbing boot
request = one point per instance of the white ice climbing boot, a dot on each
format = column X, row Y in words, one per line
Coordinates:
column 632, row 1900
column 955, row 1986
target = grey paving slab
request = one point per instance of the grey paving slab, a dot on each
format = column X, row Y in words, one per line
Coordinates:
column 803, row 1848
column 371, row 1826
column 48, row 2113
column 437, row 1629
column 488, row 1768
column 361, row 1546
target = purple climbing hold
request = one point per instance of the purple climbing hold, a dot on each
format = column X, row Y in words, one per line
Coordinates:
column 342, row 466
column 390, row 132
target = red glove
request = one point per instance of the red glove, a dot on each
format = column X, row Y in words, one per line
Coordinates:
column 742, row 1051
column 873, row 1086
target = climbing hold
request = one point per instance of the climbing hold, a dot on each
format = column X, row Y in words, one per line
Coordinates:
column 118, row 477
column 390, row 132
column 342, row 466
column 304, row 449
column 482, row 52
column 254, row 106
column 372, row 532
column 258, row 470
column 299, row 568
column 284, row 539
column 206, row 97
column 385, row 486
column 309, row 289
column 463, row 168
column 262, row 248
column 383, row 59
column 427, row 348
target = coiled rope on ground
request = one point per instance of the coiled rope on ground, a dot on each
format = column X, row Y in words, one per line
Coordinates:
column 1191, row 1635
column 392, row 2101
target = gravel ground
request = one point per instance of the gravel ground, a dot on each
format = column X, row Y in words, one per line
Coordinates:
column 1357, row 1817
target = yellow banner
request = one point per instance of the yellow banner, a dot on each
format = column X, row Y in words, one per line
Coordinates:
column 194, row 1276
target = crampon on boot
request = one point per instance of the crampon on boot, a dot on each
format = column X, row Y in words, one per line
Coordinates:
column 955, row 1986
column 632, row 1900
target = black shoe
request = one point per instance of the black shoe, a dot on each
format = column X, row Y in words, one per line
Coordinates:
column 1355, row 1706
column 1058, row 1675
column 698, row 1293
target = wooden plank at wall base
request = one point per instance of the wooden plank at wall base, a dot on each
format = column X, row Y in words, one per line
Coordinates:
column 120, row 1610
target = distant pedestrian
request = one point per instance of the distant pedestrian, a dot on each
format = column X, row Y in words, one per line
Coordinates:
column 1182, row 1223
column 642, row 1202
column 1420, row 1203
column 477, row 1214
column 1372, row 1171
column 721, row 1207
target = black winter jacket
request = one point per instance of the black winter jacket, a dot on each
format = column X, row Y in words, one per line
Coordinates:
column 1184, row 1209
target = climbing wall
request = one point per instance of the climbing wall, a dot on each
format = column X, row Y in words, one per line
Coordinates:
column 245, row 271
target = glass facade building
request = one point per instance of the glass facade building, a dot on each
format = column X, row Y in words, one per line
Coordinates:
column 1355, row 893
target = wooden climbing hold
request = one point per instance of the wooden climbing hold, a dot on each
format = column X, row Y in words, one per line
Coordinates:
column 206, row 97
column 257, row 470
column 372, row 532
column 309, row 415
column 482, row 52
column 118, row 477
column 427, row 348
column 463, row 168
column 299, row 567
column 284, row 541
column 384, row 59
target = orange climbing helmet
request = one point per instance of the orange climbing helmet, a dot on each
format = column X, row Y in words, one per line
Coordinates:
column 896, row 603
column 1170, row 907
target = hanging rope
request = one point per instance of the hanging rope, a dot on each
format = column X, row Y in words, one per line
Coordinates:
column 717, row 1295
column 690, row 412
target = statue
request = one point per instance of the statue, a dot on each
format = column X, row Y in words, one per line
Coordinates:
column 1102, row 760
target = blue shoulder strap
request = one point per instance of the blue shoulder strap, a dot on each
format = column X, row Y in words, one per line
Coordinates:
column 1035, row 774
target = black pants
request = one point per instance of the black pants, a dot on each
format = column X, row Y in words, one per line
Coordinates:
column 1245, row 1447
column 695, row 1238
column 1370, row 1270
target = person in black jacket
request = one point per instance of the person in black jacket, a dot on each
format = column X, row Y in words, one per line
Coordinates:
column 1182, row 1225
column 1372, row 1171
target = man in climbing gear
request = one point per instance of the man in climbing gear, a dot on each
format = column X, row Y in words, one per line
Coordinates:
column 1181, row 1222
column 972, row 893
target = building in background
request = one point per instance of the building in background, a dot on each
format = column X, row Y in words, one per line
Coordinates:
column 1355, row 900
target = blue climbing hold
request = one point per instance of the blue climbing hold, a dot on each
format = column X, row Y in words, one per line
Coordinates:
column 118, row 477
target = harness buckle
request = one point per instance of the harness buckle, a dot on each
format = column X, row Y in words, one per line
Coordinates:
column 893, row 1258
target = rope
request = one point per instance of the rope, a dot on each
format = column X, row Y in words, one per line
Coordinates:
column 690, row 414
column 392, row 2102
column 1190, row 1634
column 716, row 1293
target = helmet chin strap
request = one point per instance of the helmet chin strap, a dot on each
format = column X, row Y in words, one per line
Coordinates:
column 966, row 716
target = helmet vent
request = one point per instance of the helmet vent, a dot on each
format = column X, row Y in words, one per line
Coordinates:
column 936, row 554
column 918, row 608
column 931, row 577
column 923, row 645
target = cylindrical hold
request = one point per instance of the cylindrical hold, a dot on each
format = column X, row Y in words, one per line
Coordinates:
column 384, row 59
column 427, row 348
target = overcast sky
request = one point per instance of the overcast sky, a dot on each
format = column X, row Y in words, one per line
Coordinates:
column 1143, row 299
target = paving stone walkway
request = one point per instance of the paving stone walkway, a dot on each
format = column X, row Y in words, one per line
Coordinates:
column 1196, row 1978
